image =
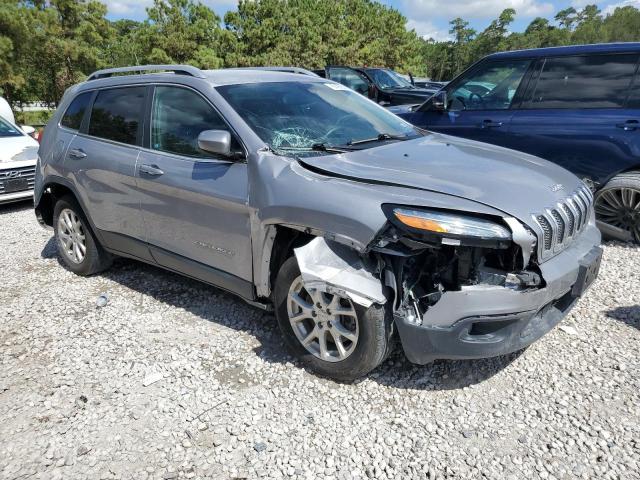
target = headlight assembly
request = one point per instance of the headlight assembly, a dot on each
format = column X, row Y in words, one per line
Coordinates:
column 449, row 228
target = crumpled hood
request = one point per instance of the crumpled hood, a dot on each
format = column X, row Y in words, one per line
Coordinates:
column 17, row 149
column 515, row 183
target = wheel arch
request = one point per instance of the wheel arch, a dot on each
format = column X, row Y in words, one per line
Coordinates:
column 279, row 246
column 51, row 192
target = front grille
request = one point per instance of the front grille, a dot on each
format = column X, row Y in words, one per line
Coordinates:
column 561, row 224
column 13, row 173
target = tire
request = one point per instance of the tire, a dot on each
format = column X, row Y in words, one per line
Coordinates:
column 95, row 258
column 373, row 330
column 618, row 204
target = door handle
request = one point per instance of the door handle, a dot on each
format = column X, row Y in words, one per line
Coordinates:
column 77, row 153
column 629, row 125
column 490, row 124
column 151, row 170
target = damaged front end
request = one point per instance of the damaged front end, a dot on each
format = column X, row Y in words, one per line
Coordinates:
column 459, row 286
column 431, row 253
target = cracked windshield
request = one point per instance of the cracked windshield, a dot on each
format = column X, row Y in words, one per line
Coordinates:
column 296, row 118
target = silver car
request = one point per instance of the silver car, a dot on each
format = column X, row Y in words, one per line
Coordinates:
column 303, row 197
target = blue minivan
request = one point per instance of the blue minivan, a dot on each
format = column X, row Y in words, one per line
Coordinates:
column 577, row 106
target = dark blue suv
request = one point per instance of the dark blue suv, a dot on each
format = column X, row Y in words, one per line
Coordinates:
column 577, row 106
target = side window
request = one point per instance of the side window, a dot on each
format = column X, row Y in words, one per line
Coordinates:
column 634, row 95
column 597, row 81
column 117, row 114
column 72, row 118
column 178, row 116
column 491, row 87
column 349, row 78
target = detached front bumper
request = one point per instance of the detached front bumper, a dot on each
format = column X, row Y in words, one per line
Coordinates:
column 486, row 321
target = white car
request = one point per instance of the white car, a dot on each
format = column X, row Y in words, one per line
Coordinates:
column 18, row 157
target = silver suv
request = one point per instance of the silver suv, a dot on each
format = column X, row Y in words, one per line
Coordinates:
column 301, row 196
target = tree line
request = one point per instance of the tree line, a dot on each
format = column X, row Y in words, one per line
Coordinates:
column 48, row 45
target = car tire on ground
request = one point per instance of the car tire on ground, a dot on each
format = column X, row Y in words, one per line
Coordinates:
column 76, row 244
column 618, row 204
column 356, row 339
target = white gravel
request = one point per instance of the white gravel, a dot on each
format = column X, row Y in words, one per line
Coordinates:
column 175, row 379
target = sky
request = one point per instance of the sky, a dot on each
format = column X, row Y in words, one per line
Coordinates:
column 430, row 18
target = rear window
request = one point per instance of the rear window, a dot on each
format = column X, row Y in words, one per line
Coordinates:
column 117, row 114
column 597, row 81
column 72, row 118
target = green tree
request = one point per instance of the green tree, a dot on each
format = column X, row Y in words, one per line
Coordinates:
column 179, row 31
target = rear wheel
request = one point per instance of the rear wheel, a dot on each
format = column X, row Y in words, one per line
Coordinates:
column 330, row 334
column 618, row 204
column 79, row 249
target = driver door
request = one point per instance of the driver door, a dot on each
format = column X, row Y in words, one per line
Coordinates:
column 479, row 103
column 194, row 204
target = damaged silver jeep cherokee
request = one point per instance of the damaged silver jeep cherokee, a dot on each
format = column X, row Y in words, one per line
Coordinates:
column 299, row 194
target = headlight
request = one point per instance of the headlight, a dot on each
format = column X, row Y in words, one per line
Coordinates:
column 452, row 228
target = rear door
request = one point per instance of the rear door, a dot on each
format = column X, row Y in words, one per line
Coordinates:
column 101, row 159
column 576, row 113
column 479, row 103
column 194, row 205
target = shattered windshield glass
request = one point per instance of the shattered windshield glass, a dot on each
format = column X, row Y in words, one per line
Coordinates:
column 314, row 117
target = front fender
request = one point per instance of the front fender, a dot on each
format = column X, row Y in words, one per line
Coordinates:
column 348, row 211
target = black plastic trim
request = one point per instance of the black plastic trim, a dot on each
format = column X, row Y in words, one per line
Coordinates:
column 205, row 273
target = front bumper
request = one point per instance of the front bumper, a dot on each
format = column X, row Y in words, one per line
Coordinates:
column 486, row 321
column 16, row 196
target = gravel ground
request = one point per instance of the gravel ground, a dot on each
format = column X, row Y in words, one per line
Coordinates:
column 175, row 379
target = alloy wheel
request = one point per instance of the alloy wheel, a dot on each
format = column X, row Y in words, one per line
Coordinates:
column 71, row 235
column 620, row 207
column 325, row 324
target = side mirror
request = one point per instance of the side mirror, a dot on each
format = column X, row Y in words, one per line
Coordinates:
column 215, row 141
column 439, row 101
column 28, row 129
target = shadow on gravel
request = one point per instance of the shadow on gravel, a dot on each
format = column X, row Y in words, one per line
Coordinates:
column 20, row 206
column 215, row 305
column 629, row 315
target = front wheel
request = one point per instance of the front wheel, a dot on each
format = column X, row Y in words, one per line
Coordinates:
column 330, row 334
column 618, row 204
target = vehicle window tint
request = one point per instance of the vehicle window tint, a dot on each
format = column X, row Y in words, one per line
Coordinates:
column 598, row 81
column 178, row 117
column 72, row 118
column 117, row 113
column 349, row 78
column 8, row 130
column 491, row 87
column 634, row 96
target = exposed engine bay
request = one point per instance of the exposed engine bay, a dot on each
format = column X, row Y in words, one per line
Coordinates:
column 416, row 271
column 424, row 271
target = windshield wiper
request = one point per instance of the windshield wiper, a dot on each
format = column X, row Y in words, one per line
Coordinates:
column 380, row 138
column 317, row 147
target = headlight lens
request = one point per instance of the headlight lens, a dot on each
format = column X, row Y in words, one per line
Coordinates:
column 452, row 224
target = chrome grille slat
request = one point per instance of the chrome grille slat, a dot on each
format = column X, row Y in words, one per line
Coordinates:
column 560, row 224
column 571, row 218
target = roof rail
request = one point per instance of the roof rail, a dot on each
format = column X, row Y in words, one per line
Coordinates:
column 177, row 69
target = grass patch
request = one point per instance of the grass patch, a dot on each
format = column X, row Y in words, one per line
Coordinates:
column 34, row 119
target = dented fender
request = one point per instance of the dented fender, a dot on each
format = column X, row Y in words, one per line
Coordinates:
column 334, row 268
